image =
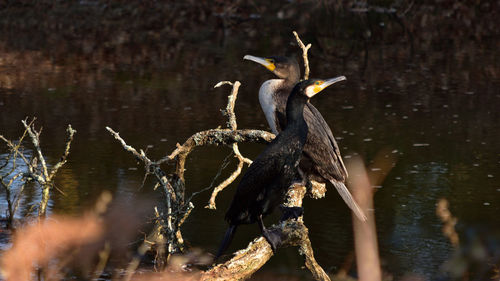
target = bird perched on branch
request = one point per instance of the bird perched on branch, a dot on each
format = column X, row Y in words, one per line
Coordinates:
column 265, row 183
column 321, row 160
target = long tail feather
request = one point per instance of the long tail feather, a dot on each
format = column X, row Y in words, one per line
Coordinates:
column 228, row 237
column 348, row 199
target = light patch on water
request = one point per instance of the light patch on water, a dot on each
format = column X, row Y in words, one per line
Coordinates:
column 420, row 144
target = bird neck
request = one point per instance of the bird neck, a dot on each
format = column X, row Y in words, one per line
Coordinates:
column 295, row 108
column 291, row 80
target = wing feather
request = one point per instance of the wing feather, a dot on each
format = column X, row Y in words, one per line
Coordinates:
column 257, row 177
column 322, row 147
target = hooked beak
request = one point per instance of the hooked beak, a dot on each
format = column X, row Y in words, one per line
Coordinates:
column 318, row 88
column 263, row 61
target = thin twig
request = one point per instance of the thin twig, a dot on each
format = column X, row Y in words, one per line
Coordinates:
column 304, row 54
column 71, row 133
column 36, row 143
column 224, row 184
column 125, row 145
column 162, row 179
column 224, row 164
column 231, row 100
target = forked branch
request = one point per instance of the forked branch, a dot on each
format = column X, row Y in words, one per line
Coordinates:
column 304, row 54
column 43, row 176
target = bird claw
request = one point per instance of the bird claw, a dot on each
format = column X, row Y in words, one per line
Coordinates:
column 291, row 213
column 273, row 237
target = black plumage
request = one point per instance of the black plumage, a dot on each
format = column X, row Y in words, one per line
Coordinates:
column 264, row 184
column 321, row 159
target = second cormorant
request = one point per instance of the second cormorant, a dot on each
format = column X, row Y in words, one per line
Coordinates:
column 321, row 159
column 264, row 185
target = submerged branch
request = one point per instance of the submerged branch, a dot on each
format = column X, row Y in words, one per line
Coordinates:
column 43, row 176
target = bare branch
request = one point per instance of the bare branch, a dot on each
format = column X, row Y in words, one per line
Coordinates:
column 71, row 133
column 36, row 143
column 224, row 184
column 304, row 54
column 162, row 179
column 223, row 83
column 231, row 100
column 127, row 147
column 218, row 137
column 238, row 154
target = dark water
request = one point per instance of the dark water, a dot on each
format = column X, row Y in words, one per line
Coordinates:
column 431, row 99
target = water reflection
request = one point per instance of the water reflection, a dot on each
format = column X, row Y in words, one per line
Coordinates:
column 414, row 239
column 22, row 195
column 431, row 95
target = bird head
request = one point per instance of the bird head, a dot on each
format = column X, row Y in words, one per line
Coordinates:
column 311, row 87
column 283, row 67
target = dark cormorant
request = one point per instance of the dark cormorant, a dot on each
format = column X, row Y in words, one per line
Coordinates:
column 264, row 185
column 321, row 160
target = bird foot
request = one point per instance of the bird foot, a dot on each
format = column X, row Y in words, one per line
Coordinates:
column 273, row 237
column 291, row 213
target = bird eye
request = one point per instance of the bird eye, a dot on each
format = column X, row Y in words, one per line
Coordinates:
column 317, row 83
column 270, row 60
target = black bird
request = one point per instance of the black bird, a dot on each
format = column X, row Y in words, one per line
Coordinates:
column 321, row 160
column 264, row 185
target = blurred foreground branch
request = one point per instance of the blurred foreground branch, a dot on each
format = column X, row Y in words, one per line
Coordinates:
column 449, row 221
column 362, row 185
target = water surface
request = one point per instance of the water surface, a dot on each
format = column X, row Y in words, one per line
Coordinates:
column 432, row 103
